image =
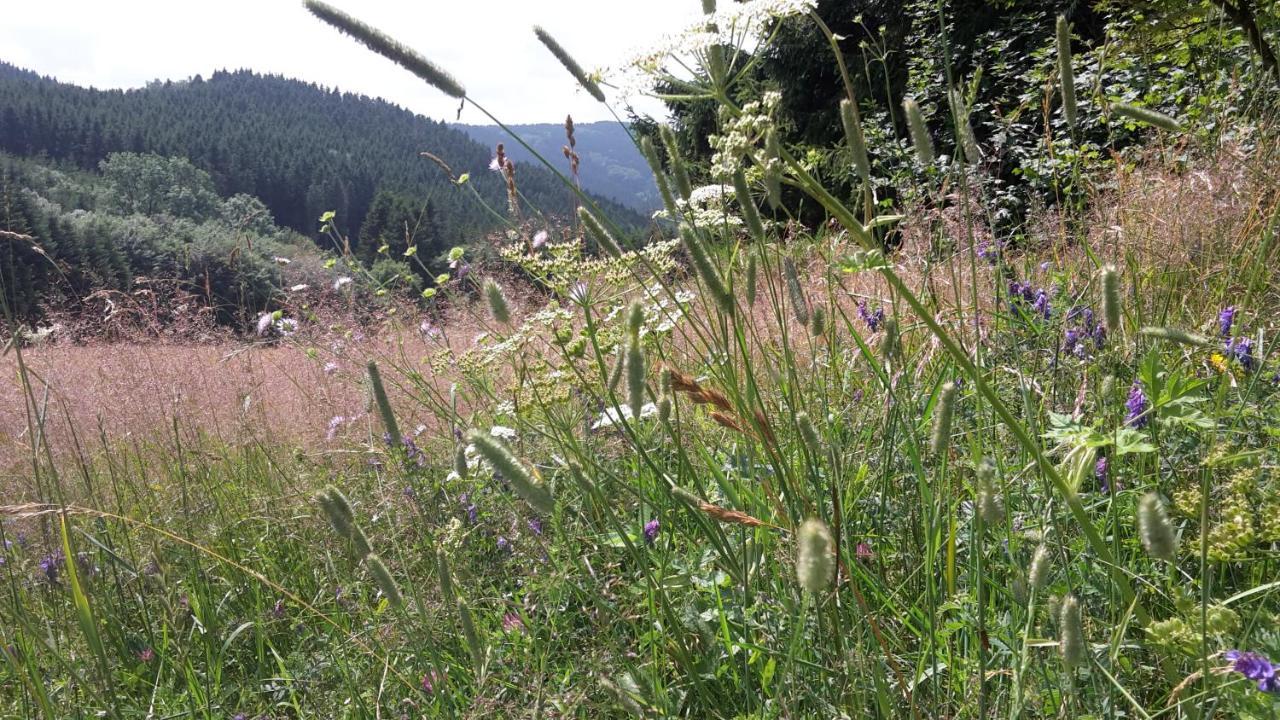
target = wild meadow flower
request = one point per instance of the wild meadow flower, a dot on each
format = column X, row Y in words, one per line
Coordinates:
column 1226, row 319
column 872, row 319
column 1102, row 472
column 431, row 680
column 511, row 622
column 503, row 543
column 1242, row 350
column 50, row 566
column 651, row 531
column 987, row 251
column 335, row 422
column 147, row 655
column 1137, row 405
column 863, row 552
column 535, row 525
column 1256, row 667
column 277, row 610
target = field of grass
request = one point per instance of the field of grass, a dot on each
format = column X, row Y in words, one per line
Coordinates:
column 805, row 478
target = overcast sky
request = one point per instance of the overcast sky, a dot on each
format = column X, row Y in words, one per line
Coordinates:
column 488, row 45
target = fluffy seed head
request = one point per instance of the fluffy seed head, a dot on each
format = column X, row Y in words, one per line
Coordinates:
column 942, row 412
column 919, row 131
column 1147, row 116
column 469, row 632
column 660, row 177
column 857, row 141
column 382, row 577
column 808, row 432
column 815, row 558
column 678, row 169
column 1038, row 573
column 460, row 461
column 990, row 507
column 569, row 63
column 340, row 521
column 704, row 269
column 964, row 130
column 387, row 47
column 799, row 304
column 1155, row 529
column 1111, row 298
column 383, row 402
column 750, row 214
column 513, row 470
column 751, row 278
column 1071, row 632
column 635, row 375
column 598, row 233
column 773, row 168
column 1065, row 72
column 818, row 321
column 498, row 307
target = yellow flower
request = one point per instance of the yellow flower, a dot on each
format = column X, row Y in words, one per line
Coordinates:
column 1218, row 362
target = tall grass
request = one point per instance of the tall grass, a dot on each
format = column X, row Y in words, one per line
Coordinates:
column 853, row 494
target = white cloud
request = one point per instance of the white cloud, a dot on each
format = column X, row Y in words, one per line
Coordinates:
column 488, row 45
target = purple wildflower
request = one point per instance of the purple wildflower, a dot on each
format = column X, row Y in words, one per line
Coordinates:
column 1242, row 350
column 51, row 565
column 863, row 552
column 1226, row 319
column 277, row 610
column 989, row 252
column 511, row 622
column 1102, row 471
column 1041, row 304
column 872, row 319
column 535, row 525
column 430, row 680
column 1137, row 405
column 1256, row 667
column 503, row 543
column 651, row 531
column 1073, row 343
column 147, row 655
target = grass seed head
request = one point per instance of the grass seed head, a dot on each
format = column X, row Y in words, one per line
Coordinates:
column 799, row 304
column 1071, row 632
column 514, row 471
column 815, row 556
column 942, row 413
column 1038, row 572
column 598, row 233
column 1155, row 529
column 388, row 47
column 1111, row 298
column 569, row 64
column 679, row 171
column 919, row 131
column 498, row 307
column 1065, row 72
column 857, row 141
column 382, row 577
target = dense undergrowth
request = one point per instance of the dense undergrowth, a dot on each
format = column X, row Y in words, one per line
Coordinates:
column 809, row 478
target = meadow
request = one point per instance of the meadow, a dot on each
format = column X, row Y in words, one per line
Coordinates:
column 881, row 466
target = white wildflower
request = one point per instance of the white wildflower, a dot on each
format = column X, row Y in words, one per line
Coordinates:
column 615, row 415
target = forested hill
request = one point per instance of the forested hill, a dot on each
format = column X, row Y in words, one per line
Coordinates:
column 301, row 148
column 611, row 164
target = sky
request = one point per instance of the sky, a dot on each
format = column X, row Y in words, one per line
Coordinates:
column 488, row 45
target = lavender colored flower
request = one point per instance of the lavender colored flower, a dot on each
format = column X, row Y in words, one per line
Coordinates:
column 1226, row 319
column 1256, row 667
column 503, row 543
column 535, row 525
column 511, row 622
column 1041, row 304
column 989, row 252
column 277, row 610
column 1073, row 343
column 864, row 552
column 430, row 680
column 872, row 319
column 1137, row 405
column 1242, row 350
column 51, row 566
column 651, row 531
column 1102, row 471
column 335, row 422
